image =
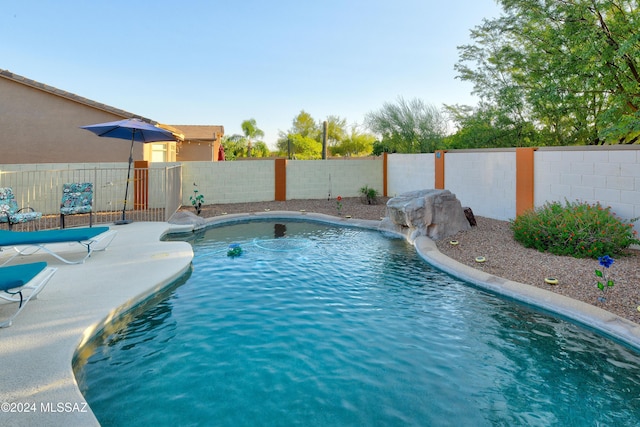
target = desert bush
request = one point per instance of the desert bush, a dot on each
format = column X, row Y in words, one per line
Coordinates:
column 369, row 195
column 577, row 229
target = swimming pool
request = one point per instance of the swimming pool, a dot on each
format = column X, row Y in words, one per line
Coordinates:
column 321, row 325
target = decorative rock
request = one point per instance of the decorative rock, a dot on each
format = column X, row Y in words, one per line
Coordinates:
column 433, row 213
column 470, row 217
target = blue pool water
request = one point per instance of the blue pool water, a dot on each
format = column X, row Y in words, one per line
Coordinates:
column 322, row 326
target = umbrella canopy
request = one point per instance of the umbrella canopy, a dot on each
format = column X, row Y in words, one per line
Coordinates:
column 131, row 129
column 221, row 153
column 134, row 130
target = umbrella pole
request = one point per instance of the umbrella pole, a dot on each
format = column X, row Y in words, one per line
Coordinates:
column 126, row 188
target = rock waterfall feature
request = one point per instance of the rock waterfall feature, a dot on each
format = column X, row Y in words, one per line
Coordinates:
column 436, row 214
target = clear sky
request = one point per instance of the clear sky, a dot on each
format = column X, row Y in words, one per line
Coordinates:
column 221, row 62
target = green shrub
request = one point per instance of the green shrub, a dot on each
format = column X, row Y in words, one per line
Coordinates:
column 197, row 200
column 369, row 195
column 577, row 229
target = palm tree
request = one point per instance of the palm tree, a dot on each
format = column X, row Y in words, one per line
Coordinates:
column 251, row 132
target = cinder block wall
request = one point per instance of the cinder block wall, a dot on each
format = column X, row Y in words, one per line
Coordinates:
column 229, row 182
column 254, row 181
column 484, row 180
column 489, row 180
column 609, row 175
column 317, row 179
column 409, row 172
column 481, row 179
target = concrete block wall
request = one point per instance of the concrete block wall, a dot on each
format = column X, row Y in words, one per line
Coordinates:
column 608, row 175
column 229, row 182
column 409, row 172
column 318, row 179
column 484, row 180
column 490, row 181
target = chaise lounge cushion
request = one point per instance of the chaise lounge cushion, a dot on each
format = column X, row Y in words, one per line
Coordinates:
column 22, row 283
column 30, row 242
column 16, row 276
column 17, row 238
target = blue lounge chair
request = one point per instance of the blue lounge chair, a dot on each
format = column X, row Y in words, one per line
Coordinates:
column 16, row 279
column 30, row 242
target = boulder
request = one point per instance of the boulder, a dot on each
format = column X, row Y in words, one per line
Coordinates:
column 436, row 214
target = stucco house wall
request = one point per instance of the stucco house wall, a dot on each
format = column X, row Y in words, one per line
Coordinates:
column 41, row 124
column 43, row 127
column 201, row 143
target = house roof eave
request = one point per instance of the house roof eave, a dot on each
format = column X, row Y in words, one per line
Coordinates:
column 70, row 96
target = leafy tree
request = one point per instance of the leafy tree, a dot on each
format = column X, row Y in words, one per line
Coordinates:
column 245, row 145
column 260, row 149
column 502, row 100
column 356, row 144
column 487, row 127
column 234, row 146
column 305, row 126
column 408, row 126
column 251, row 132
column 304, row 139
column 380, row 147
column 336, row 130
column 301, row 147
column 570, row 68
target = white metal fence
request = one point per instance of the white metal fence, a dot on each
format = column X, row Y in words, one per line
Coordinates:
column 154, row 194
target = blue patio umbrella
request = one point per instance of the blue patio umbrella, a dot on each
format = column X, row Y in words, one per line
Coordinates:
column 134, row 130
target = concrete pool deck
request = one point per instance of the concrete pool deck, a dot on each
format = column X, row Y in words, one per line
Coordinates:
column 37, row 383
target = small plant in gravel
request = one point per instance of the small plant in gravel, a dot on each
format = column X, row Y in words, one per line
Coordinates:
column 339, row 204
column 197, row 200
column 577, row 229
column 369, row 195
column 603, row 283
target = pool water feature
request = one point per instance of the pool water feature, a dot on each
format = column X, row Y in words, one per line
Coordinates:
column 317, row 325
